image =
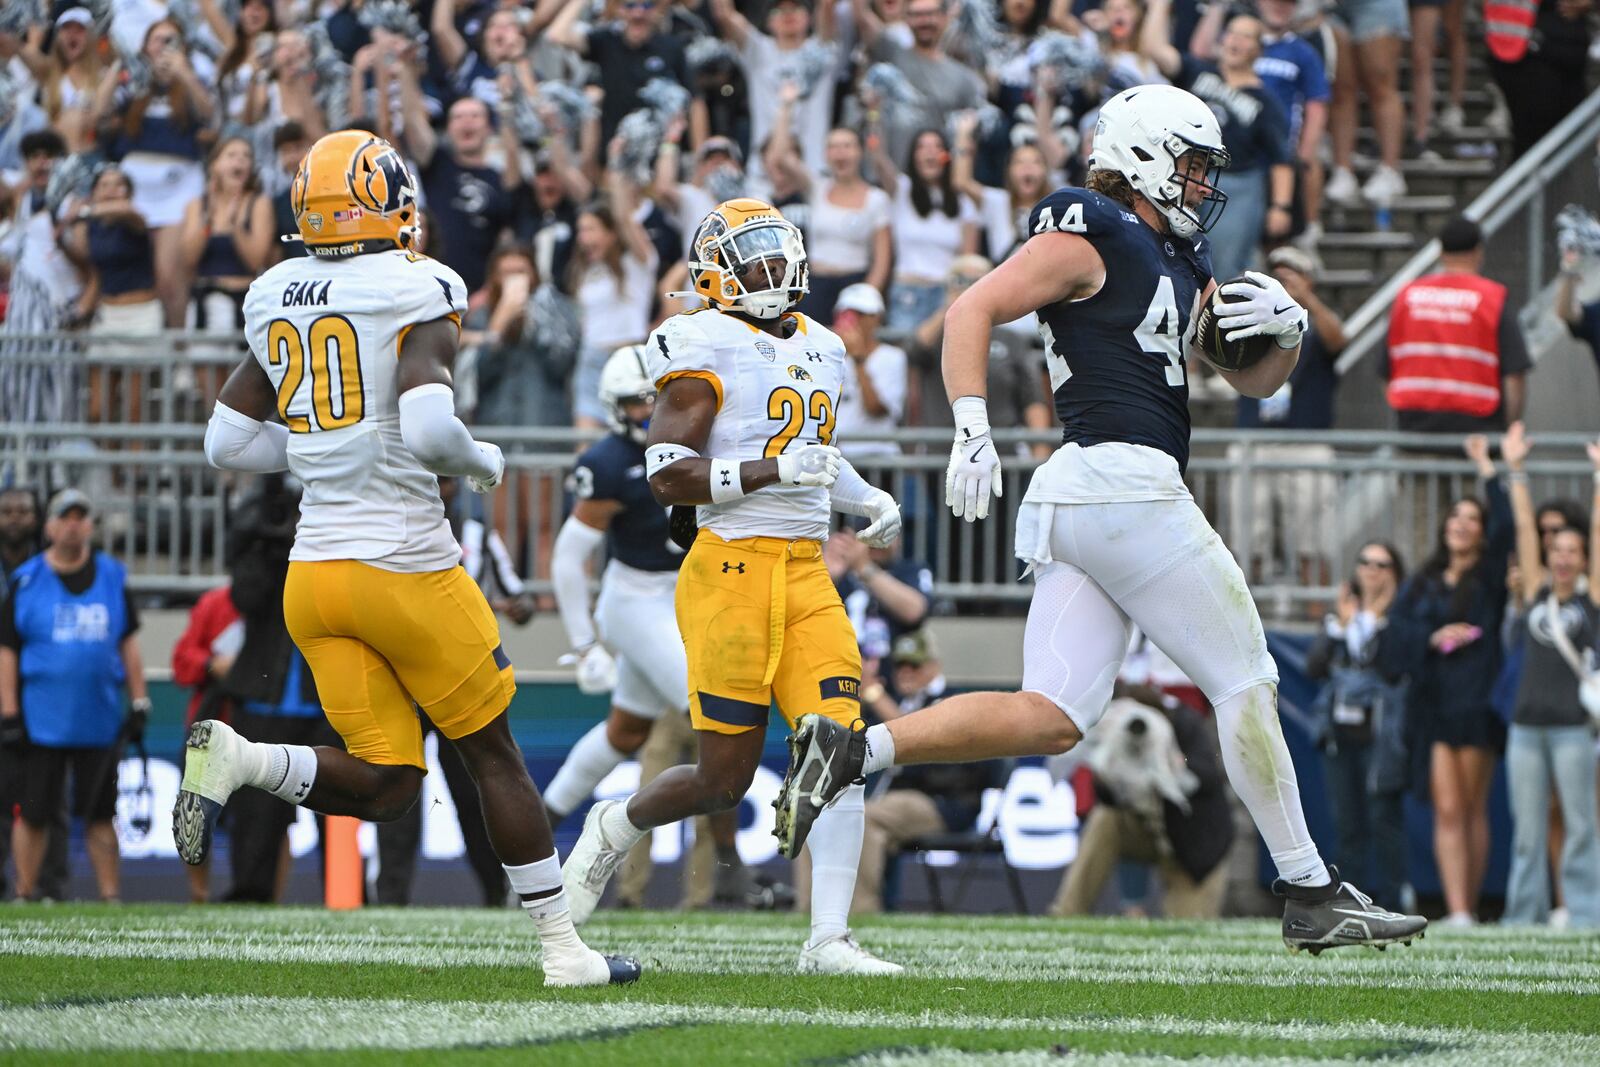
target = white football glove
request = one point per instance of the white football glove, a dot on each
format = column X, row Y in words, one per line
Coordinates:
column 597, row 671
column 974, row 470
column 1267, row 309
column 497, row 460
column 816, row 465
column 885, row 516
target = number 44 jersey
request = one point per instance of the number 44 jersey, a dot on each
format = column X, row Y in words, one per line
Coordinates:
column 328, row 334
column 1116, row 359
column 773, row 394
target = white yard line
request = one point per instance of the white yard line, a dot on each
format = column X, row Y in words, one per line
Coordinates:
column 243, row 1024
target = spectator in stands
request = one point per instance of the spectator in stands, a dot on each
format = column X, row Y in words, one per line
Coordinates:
column 1293, row 72
column 67, row 75
column 476, row 71
column 1004, row 212
column 1583, row 320
column 21, row 523
column 884, row 596
column 628, row 54
column 1306, row 401
column 287, row 90
column 717, row 175
column 228, row 239
column 36, row 384
column 776, row 59
column 244, row 38
column 1427, row 17
column 937, row 798
column 613, row 278
column 1538, row 59
column 1118, row 27
column 931, row 223
column 1376, row 29
column 289, row 146
column 1551, row 739
column 873, row 399
column 68, row 647
column 848, row 238
column 1260, row 179
column 546, row 208
column 468, row 197
column 1181, row 823
column 1444, row 626
column 944, row 86
column 109, row 238
column 1362, row 725
column 201, row 659
column 1015, row 386
column 154, row 129
column 1457, row 362
column 520, row 381
column 1293, row 508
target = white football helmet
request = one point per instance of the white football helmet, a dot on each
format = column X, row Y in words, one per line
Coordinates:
column 626, row 376
column 1141, row 133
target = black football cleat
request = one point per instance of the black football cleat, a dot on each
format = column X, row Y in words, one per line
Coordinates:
column 824, row 759
column 1331, row 916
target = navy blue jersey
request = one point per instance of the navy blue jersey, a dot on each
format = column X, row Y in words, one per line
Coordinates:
column 1116, row 359
column 613, row 469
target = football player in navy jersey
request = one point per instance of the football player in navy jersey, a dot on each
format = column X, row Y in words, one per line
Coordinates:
column 1117, row 272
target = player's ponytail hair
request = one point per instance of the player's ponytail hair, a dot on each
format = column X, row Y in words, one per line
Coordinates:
column 1110, row 184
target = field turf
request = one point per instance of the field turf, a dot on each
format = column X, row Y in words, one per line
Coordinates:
column 173, row 985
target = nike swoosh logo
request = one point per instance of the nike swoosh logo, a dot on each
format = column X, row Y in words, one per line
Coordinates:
column 1280, row 311
column 974, row 457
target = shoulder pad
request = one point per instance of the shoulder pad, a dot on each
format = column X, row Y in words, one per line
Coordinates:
column 1079, row 211
column 677, row 344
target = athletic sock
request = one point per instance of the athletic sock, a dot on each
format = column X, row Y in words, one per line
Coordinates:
column 564, row 950
column 835, row 844
column 1261, row 772
column 618, row 830
column 590, row 760
column 285, row 771
column 880, row 749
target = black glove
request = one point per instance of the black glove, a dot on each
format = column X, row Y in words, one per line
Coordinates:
column 138, row 716
column 13, row 734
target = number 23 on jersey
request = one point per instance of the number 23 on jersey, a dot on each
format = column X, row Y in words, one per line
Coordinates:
column 327, row 360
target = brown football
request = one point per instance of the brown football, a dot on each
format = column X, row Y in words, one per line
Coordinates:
column 1230, row 355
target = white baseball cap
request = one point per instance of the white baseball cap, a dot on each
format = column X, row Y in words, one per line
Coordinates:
column 861, row 298
column 79, row 15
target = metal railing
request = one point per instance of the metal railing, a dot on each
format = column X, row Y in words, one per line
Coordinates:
column 1559, row 169
column 1292, row 507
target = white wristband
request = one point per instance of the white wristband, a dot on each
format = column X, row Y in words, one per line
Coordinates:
column 971, row 415
column 658, row 457
column 726, row 482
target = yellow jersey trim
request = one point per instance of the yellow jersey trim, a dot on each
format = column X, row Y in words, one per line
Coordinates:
column 703, row 375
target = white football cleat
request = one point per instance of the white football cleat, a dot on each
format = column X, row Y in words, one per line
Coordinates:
column 212, row 772
column 590, row 865
column 591, row 969
column 841, row 955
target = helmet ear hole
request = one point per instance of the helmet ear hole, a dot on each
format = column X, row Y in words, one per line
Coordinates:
column 1144, row 157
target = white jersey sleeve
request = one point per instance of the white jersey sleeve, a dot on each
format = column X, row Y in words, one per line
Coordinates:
column 328, row 334
column 774, row 394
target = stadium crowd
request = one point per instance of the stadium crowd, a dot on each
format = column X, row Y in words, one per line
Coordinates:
column 566, row 149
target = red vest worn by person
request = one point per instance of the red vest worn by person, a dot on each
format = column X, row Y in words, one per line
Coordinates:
column 1507, row 28
column 1444, row 346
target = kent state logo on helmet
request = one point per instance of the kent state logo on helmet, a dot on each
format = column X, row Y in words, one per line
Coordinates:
column 354, row 194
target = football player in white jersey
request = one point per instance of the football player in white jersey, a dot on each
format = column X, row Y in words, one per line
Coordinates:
column 1116, row 272
column 352, row 348
column 741, row 431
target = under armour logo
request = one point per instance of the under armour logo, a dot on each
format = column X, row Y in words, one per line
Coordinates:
column 725, row 480
column 301, row 793
column 727, row 567
column 668, row 457
column 815, row 357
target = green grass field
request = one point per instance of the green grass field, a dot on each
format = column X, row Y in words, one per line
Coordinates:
column 167, row 985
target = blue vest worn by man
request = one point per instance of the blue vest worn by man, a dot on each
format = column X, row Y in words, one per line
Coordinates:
column 70, row 661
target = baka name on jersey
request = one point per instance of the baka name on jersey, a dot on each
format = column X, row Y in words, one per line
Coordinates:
column 306, row 294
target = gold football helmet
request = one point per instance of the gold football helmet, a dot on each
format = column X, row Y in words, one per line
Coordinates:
column 354, row 194
column 747, row 257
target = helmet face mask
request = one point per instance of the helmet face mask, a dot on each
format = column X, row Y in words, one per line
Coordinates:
column 1154, row 136
column 757, row 265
